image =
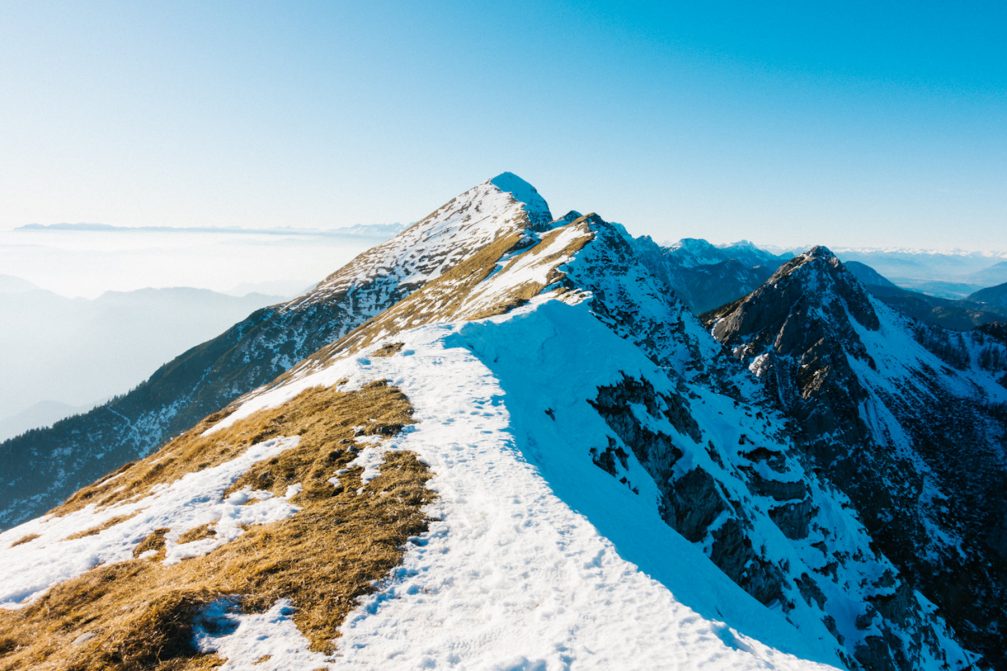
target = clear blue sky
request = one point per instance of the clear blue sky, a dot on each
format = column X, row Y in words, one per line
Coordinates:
column 847, row 123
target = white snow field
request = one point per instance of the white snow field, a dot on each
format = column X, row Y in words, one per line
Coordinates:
column 510, row 576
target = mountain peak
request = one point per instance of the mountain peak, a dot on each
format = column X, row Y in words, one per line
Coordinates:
column 693, row 244
column 818, row 258
column 525, row 193
column 820, row 252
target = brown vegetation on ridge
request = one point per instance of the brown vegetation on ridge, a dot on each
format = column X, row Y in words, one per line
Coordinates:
column 139, row 614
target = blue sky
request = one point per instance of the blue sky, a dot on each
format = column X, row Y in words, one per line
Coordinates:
column 849, row 124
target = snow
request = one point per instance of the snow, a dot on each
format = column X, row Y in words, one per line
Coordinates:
column 370, row 457
column 193, row 500
column 524, row 193
column 267, row 641
column 509, row 574
column 532, row 268
column 758, row 365
column 535, row 557
column 522, row 506
column 426, row 249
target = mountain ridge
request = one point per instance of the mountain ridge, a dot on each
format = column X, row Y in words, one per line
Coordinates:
column 600, row 466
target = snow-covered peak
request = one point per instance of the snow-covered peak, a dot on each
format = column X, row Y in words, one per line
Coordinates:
column 505, row 205
column 695, row 252
column 820, row 252
column 525, row 193
column 812, row 295
column 694, row 246
column 816, row 266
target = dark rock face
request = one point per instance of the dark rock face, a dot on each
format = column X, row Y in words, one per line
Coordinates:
column 901, row 416
column 691, row 502
column 721, row 487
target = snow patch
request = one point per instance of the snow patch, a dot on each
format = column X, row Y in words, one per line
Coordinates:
column 523, row 192
column 267, row 641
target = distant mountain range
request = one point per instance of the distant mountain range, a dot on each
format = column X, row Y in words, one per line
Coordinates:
column 59, row 355
column 379, row 231
column 707, row 276
column 37, row 415
column 956, row 314
column 941, row 274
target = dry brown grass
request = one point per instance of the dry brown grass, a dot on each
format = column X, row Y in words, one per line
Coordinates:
column 438, row 300
column 443, row 299
column 97, row 529
column 197, row 533
column 388, row 349
column 522, row 293
column 27, row 538
column 138, row 614
column 154, row 542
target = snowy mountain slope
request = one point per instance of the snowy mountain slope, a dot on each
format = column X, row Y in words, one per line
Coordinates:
column 908, row 419
column 508, row 575
column 706, row 276
column 610, row 491
column 44, row 466
column 717, row 502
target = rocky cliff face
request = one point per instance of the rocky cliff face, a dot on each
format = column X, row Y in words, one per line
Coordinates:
column 906, row 419
column 731, row 479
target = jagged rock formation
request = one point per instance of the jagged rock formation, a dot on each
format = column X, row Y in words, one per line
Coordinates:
column 607, row 484
column 907, row 419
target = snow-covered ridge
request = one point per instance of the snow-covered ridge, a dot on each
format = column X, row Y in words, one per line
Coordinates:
column 543, row 587
column 614, row 491
column 777, row 506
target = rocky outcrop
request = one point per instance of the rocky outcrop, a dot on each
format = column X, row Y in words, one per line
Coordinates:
column 903, row 417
